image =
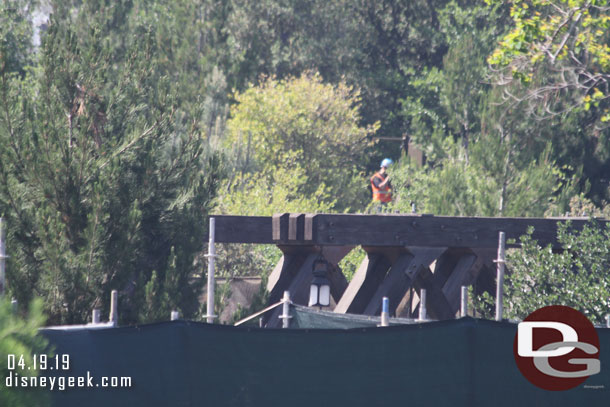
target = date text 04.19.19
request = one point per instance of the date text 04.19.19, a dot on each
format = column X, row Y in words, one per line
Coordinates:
column 38, row 362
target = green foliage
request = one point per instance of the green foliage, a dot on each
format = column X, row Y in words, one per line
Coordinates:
column 350, row 263
column 305, row 123
column 114, row 134
column 104, row 177
column 281, row 190
column 571, row 37
column 577, row 277
column 19, row 336
column 488, row 183
column 15, row 36
column 377, row 46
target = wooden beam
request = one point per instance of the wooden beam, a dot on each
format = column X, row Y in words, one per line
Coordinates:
column 393, row 286
column 464, row 273
column 296, row 226
column 243, row 229
column 282, row 275
column 295, row 267
column 298, row 288
column 437, row 305
column 387, row 230
column 403, row 272
column 367, row 278
column 279, row 223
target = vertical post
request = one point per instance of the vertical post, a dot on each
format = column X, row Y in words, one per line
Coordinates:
column 285, row 317
column 413, row 209
column 608, row 321
column 95, row 316
column 14, row 305
column 385, row 312
column 423, row 314
column 2, row 257
column 500, row 276
column 464, row 305
column 114, row 310
column 175, row 315
column 211, row 264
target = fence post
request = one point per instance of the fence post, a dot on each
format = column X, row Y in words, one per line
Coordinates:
column 285, row 317
column 422, row 305
column 211, row 270
column 385, row 312
column 464, row 305
column 114, row 307
column 95, row 316
column 500, row 275
column 2, row 257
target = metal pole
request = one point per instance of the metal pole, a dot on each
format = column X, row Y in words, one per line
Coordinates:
column 175, row 315
column 413, row 209
column 95, row 316
column 500, row 276
column 2, row 257
column 385, row 312
column 285, row 317
column 114, row 310
column 422, row 305
column 211, row 264
column 464, row 305
column 608, row 321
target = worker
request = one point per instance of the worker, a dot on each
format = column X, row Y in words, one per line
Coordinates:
column 380, row 183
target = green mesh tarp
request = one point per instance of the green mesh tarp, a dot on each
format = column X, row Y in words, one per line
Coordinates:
column 307, row 318
column 462, row 362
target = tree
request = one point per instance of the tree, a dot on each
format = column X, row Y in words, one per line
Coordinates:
column 492, row 182
column 380, row 47
column 568, row 43
column 304, row 123
column 19, row 336
column 15, row 35
column 577, row 276
column 103, row 178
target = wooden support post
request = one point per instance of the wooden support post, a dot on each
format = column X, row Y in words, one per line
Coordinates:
column 401, row 276
column 462, row 274
column 298, row 288
column 393, row 286
column 289, row 265
column 361, row 289
column 284, row 272
column 438, row 307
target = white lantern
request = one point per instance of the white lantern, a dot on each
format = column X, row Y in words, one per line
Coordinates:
column 319, row 291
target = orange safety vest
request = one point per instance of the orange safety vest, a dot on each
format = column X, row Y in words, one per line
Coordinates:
column 383, row 194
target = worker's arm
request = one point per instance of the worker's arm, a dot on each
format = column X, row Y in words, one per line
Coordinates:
column 385, row 181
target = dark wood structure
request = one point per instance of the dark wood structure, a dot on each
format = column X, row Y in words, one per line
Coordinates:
column 405, row 253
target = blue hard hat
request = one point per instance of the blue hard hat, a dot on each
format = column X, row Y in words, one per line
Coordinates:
column 386, row 162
